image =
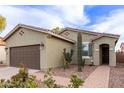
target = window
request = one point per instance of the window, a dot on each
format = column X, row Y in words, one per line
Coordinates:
column 86, row 49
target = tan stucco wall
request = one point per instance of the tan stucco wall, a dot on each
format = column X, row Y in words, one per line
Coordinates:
column 54, row 50
column 96, row 50
column 50, row 55
column 2, row 54
column 28, row 38
column 87, row 38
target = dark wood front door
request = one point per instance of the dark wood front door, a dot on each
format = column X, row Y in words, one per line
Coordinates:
column 105, row 55
column 27, row 55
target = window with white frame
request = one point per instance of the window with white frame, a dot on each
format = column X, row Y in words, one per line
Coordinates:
column 86, row 49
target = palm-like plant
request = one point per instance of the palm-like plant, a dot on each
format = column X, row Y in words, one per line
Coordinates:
column 2, row 23
column 56, row 30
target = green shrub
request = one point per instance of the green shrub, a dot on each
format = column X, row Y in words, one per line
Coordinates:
column 21, row 80
column 75, row 81
column 48, row 79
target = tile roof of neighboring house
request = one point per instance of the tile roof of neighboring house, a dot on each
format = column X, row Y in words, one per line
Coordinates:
column 42, row 30
column 90, row 32
column 122, row 44
column 2, row 43
column 1, row 38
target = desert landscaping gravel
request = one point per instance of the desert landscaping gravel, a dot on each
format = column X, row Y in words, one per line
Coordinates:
column 116, row 78
column 72, row 70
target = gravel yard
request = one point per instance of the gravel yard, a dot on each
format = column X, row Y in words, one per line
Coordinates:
column 86, row 71
column 61, row 75
column 72, row 70
column 116, row 78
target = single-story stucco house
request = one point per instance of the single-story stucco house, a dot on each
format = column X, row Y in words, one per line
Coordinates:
column 2, row 51
column 40, row 48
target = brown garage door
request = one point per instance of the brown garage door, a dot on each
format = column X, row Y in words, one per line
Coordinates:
column 27, row 55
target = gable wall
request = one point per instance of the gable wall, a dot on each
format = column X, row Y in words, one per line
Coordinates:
column 73, row 35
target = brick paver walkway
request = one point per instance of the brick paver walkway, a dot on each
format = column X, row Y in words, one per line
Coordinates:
column 99, row 78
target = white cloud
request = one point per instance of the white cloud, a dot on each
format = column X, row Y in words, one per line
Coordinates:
column 42, row 18
column 114, row 23
column 74, row 14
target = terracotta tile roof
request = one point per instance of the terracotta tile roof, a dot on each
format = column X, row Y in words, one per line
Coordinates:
column 122, row 44
column 2, row 43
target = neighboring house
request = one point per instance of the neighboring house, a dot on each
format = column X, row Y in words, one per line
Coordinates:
column 122, row 47
column 120, row 54
column 2, row 51
column 41, row 49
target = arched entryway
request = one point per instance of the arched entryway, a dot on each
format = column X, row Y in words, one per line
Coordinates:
column 104, row 54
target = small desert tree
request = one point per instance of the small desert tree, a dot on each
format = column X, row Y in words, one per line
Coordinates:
column 56, row 30
column 2, row 23
column 79, row 51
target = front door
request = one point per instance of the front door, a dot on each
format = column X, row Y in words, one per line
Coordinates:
column 105, row 54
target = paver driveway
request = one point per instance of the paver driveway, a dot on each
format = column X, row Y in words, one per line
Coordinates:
column 8, row 72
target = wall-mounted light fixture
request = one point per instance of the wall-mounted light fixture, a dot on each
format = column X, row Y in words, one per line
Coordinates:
column 42, row 44
column 6, row 49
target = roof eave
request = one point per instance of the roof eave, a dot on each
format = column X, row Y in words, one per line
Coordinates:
column 89, row 32
column 104, row 36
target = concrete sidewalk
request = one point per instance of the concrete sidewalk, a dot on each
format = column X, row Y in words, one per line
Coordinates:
column 99, row 78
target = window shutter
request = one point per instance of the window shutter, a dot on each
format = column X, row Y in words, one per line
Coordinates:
column 90, row 49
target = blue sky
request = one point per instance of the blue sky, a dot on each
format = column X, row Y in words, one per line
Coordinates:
column 97, row 18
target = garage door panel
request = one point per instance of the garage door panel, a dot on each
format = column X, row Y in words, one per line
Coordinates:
column 27, row 55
